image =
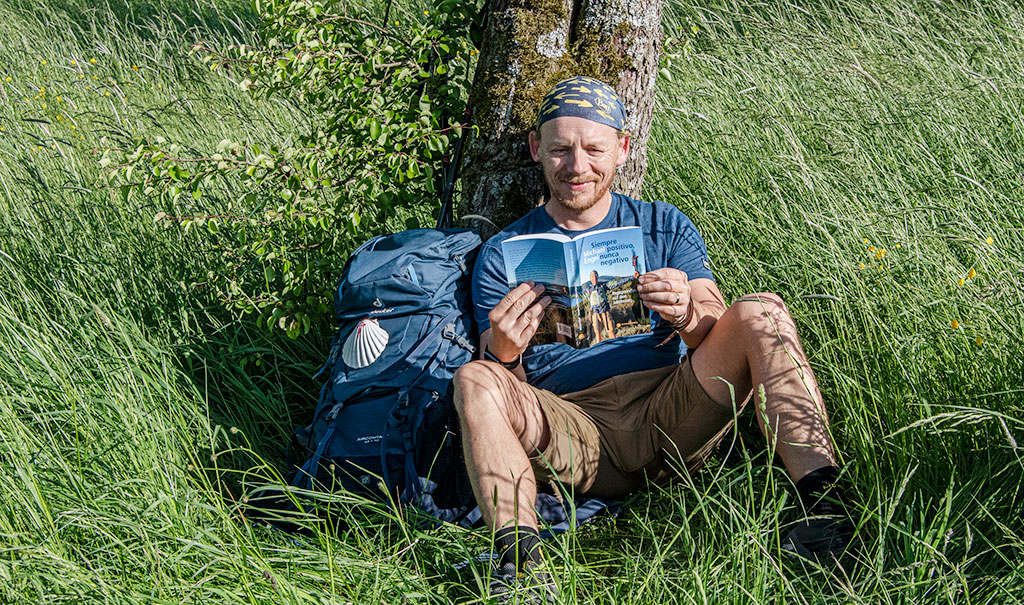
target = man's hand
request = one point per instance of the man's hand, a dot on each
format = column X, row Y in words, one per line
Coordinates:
column 515, row 319
column 666, row 291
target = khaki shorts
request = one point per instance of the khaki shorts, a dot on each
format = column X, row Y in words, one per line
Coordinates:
column 614, row 437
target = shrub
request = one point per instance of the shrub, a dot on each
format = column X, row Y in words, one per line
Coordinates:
column 383, row 99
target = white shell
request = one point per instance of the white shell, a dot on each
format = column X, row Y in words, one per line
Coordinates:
column 365, row 344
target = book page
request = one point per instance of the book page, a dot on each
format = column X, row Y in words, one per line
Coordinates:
column 543, row 261
column 610, row 263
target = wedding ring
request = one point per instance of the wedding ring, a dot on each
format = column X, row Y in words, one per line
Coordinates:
column 677, row 297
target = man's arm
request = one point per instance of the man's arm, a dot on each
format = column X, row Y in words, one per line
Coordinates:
column 691, row 307
column 514, row 321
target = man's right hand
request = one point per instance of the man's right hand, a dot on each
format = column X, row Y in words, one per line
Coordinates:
column 514, row 320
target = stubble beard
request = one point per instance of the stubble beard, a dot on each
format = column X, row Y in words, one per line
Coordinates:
column 584, row 201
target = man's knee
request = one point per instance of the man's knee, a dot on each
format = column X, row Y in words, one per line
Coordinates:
column 470, row 379
column 762, row 312
column 482, row 383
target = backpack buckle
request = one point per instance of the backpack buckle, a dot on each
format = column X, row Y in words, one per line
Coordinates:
column 334, row 412
column 450, row 334
column 462, row 264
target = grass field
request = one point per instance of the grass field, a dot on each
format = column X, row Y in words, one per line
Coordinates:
column 862, row 159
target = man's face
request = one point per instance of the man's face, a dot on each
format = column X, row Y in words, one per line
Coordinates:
column 593, row 278
column 579, row 158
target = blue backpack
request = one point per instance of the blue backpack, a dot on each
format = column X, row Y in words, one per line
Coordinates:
column 385, row 425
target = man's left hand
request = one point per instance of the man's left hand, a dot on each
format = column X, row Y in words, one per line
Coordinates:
column 666, row 291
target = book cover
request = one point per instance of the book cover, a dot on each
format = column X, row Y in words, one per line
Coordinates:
column 591, row 279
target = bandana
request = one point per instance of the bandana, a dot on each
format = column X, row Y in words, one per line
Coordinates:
column 583, row 97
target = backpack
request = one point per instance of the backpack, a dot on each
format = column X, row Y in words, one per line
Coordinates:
column 385, row 425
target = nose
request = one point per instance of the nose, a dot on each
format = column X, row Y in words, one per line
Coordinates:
column 577, row 160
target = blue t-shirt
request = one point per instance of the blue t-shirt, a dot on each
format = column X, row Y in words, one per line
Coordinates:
column 670, row 240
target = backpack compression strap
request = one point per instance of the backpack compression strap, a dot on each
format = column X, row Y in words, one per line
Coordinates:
column 304, row 478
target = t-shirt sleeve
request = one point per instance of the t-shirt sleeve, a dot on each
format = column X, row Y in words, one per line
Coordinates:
column 489, row 284
column 689, row 253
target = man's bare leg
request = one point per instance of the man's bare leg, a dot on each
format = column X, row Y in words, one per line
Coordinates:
column 755, row 343
column 502, row 426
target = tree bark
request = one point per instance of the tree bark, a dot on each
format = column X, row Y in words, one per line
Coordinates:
column 529, row 46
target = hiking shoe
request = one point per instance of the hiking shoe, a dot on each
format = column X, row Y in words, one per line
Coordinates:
column 529, row 587
column 824, row 540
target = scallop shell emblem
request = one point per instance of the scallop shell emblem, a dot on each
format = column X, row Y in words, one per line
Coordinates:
column 365, row 344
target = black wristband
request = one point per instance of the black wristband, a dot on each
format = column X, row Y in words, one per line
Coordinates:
column 508, row 365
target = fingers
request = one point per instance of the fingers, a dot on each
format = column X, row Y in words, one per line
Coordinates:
column 515, row 319
column 521, row 296
column 529, row 321
column 665, row 291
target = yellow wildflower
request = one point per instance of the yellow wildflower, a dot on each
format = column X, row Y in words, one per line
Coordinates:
column 106, row 93
column 865, row 240
column 862, row 265
column 898, row 246
column 426, row 13
column 135, row 67
column 9, row 79
column 871, row 248
column 989, row 241
column 695, row 29
column 80, row 76
column 960, row 282
column 971, row 273
column 954, row 324
column 73, row 62
column 44, row 61
column 93, row 61
column 880, row 254
column 978, row 341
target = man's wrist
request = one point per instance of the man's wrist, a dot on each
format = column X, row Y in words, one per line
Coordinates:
column 508, row 365
column 679, row 324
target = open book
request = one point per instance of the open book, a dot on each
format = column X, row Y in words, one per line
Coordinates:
column 591, row 279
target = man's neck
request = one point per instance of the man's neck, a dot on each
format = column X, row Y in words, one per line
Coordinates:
column 572, row 220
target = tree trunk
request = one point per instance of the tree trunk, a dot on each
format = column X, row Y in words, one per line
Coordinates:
column 529, row 46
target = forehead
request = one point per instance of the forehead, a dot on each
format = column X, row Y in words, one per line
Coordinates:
column 576, row 128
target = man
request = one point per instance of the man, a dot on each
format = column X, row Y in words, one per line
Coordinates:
column 600, row 308
column 606, row 420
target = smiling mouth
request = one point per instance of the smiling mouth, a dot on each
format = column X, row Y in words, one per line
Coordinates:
column 574, row 186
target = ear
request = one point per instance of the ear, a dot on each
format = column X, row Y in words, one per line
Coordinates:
column 534, row 146
column 623, row 151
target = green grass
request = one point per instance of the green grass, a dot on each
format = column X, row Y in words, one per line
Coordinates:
column 133, row 413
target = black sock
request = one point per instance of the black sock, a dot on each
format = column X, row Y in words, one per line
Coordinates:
column 518, row 545
column 819, row 493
